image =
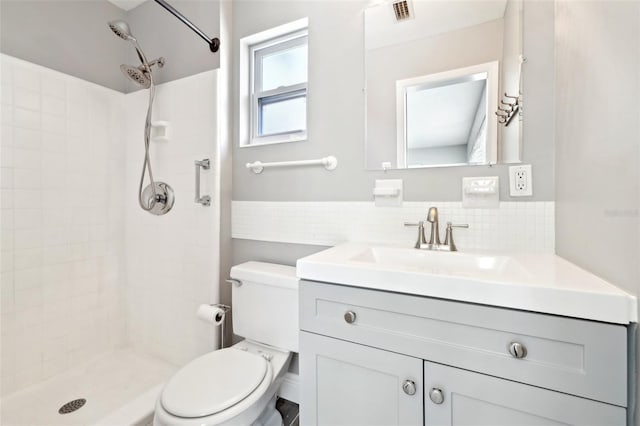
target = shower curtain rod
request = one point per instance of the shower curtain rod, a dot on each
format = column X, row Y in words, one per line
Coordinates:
column 214, row 43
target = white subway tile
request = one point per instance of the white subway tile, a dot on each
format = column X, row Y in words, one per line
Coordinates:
column 26, row 158
column 27, row 238
column 27, row 258
column 6, row 94
column 54, row 105
column 26, row 75
column 6, row 261
column 6, row 177
column 7, row 239
column 26, row 139
column 27, row 278
column 28, row 298
column 53, row 85
column 26, row 98
column 27, row 198
column 26, row 119
column 54, row 142
column 54, row 124
column 27, row 178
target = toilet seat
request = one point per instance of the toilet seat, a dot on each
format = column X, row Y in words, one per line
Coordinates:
column 214, row 382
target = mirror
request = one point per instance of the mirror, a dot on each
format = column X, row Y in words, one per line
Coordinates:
column 437, row 72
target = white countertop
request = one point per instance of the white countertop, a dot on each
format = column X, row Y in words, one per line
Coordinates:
column 531, row 282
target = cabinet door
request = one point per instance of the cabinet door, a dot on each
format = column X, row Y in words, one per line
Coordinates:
column 344, row 383
column 473, row 399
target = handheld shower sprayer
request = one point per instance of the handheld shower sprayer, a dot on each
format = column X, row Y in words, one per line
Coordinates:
column 157, row 197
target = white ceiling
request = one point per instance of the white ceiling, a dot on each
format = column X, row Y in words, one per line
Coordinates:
column 127, row 4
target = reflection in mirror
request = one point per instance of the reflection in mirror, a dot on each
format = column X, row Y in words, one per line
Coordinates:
column 446, row 119
column 428, row 104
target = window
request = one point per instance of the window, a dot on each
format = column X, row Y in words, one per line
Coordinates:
column 275, row 109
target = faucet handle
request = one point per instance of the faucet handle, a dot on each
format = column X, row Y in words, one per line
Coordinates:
column 457, row 225
column 421, row 239
column 448, row 239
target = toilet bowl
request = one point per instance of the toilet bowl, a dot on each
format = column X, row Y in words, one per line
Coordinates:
column 238, row 385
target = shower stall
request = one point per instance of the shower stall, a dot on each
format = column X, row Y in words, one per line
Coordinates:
column 98, row 296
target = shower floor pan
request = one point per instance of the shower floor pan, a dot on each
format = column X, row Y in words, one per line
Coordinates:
column 120, row 388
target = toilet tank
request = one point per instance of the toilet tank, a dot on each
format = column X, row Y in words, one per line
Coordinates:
column 265, row 304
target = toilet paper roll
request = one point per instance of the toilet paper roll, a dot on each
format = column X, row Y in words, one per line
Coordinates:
column 211, row 314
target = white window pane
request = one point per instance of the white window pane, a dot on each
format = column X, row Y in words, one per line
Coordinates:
column 288, row 115
column 284, row 68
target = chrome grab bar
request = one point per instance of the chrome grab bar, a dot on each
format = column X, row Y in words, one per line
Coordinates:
column 205, row 164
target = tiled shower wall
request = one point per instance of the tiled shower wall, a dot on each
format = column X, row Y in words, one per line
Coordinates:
column 172, row 260
column 62, row 222
column 83, row 269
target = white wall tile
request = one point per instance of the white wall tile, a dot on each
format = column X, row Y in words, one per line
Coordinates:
column 45, row 233
column 514, row 226
column 26, row 119
column 26, row 139
column 169, row 265
column 26, row 98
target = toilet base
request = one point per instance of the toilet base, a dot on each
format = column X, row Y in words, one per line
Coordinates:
column 270, row 416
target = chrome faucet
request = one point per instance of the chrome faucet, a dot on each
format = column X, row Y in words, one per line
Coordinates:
column 434, row 239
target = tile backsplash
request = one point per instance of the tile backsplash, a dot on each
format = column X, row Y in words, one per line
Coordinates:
column 514, row 226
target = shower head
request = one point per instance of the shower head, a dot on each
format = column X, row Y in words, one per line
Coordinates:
column 137, row 75
column 122, row 30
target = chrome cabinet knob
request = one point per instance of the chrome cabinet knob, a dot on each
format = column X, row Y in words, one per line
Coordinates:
column 436, row 396
column 517, row 350
column 409, row 387
column 350, row 317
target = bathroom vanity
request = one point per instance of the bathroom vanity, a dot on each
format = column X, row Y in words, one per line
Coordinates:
column 393, row 336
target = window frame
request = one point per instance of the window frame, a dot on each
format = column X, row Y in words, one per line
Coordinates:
column 258, row 97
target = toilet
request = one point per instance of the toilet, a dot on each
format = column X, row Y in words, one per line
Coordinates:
column 238, row 385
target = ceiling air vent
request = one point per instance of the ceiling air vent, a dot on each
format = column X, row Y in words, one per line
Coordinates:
column 402, row 10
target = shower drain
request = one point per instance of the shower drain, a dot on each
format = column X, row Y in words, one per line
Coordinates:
column 72, row 406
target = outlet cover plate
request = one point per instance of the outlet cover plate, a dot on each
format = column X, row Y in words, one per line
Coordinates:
column 520, row 181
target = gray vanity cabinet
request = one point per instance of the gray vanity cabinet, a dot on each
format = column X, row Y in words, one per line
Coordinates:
column 456, row 397
column 355, row 385
column 368, row 356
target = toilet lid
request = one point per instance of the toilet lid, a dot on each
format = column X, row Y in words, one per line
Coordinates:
column 213, row 382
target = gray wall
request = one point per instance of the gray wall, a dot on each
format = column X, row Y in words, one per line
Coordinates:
column 598, row 134
column 336, row 119
column 336, row 112
column 161, row 34
column 68, row 36
column 72, row 37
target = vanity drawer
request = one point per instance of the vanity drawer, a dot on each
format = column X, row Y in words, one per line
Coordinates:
column 579, row 357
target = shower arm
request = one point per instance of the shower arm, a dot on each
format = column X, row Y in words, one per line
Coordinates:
column 214, row 43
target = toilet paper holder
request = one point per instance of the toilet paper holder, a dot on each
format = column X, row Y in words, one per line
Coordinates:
column 225, row 309
column 216, row 316
column 223, row 325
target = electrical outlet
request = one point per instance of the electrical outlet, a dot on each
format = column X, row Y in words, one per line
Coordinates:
column 520, row 181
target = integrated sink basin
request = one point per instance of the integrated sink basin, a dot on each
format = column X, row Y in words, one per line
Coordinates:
column 533, row 282
column 442, row 263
